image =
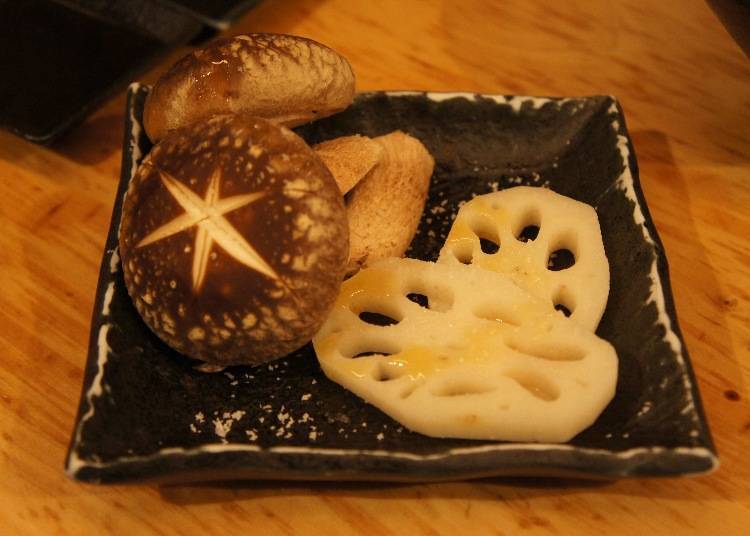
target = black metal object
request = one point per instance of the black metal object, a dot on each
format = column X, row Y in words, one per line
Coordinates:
column 61, row 59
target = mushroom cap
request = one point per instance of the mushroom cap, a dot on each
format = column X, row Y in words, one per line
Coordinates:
column 233, row 240
column 287, row 79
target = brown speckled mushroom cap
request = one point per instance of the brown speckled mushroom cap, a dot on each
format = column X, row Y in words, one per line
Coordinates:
column 287, row 79
column 233, row 240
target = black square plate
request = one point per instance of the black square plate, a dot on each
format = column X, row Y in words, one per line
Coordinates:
column 145, row 414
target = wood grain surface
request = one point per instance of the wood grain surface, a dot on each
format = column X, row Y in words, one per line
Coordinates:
column 685, row 88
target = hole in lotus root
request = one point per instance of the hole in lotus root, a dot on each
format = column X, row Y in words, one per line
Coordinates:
column 378, row 311
column 564, row 301
column 462, row 387
column 431, row 297
column 377, row 319
column 536, row 384
column 551, row 350
column 526, row 228
column 463, row 252
column 560, row 259
column 419, row 299
column 366, row 347
column 370, row 353
column 496, row 313
column 489, row 240
column 528, row 233
column 385, row 372
column 562, row 255
column 488, row 246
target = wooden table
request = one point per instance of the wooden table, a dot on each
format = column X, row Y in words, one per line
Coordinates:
column 685, row 88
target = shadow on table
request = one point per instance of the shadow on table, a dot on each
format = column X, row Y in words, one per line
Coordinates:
column 94, row 140
column 494, row 488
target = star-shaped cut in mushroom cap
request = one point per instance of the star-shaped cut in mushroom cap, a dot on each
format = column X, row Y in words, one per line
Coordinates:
column 208, row 215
